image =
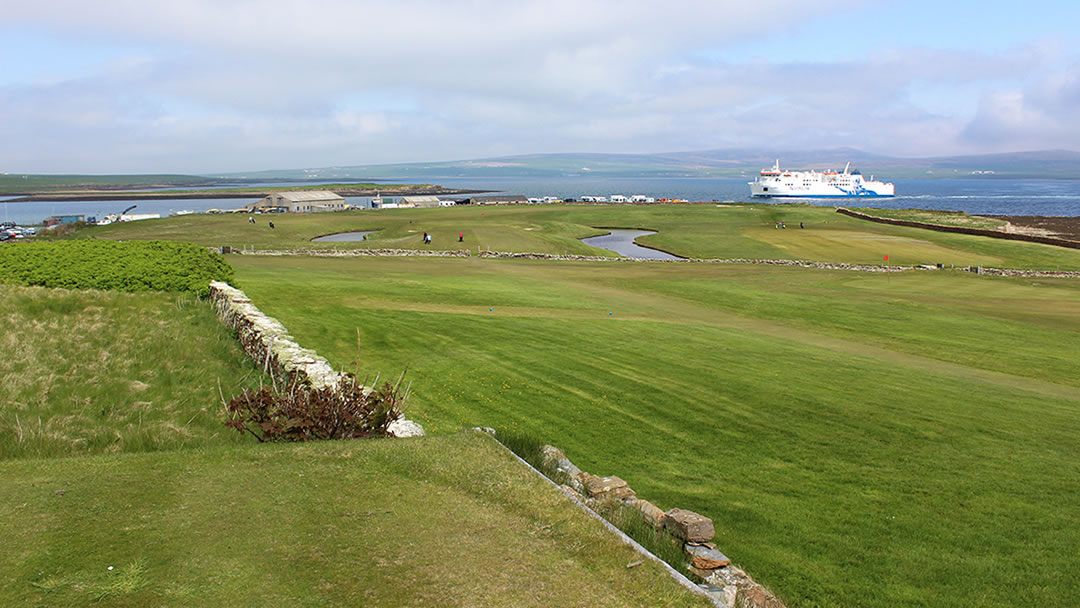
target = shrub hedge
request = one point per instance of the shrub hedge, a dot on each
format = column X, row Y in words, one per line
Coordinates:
column 112, row 265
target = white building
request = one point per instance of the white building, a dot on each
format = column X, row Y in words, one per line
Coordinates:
column 302, row 202
column 420, row 201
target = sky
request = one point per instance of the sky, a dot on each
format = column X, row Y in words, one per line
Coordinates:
column 209, row 86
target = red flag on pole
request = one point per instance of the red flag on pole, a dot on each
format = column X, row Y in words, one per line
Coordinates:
column 886, row 258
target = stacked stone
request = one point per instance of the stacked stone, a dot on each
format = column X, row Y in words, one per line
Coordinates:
column 727, row 585
column 696, row 532
column 267, row 341
column 593, row 258
column 345, row 253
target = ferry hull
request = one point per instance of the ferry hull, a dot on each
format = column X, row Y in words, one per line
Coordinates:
column 779, row 183
column 860, row 195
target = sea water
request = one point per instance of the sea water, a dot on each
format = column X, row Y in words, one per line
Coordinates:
column 975, row 195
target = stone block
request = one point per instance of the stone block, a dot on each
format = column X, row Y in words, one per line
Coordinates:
column 404, row 428
column 690, row 526
column 652, row 513
column 555, row 458
column 607, row 488
column 706, row 558
column 756, row 596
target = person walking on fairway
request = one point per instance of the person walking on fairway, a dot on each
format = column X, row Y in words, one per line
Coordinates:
column 461, row 237
column 425, row 238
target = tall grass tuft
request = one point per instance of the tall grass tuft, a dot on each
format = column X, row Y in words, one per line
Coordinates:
column 659, row 542
column 530, row 449
column 93, row 372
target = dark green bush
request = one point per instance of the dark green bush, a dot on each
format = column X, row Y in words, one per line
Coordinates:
column 112, row 265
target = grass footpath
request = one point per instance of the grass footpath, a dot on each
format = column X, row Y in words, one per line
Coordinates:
column 697, row 231
column 449, row 521
column 859, row 439
column 90, row 372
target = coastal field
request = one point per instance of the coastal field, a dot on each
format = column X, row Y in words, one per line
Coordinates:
column 870, row 439
column 859, row 439
column 698, row 231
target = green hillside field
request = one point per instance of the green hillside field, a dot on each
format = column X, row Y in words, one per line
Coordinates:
column 858, row 438
column 120, row 486
column 698, row 231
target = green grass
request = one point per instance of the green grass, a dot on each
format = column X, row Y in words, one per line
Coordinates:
column 89, row 372
column 660, row 542
column 858, row 439
column 449, row 521
column 699, row 231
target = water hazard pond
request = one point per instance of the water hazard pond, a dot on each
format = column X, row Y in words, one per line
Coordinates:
column 622, row 243
column 343, row 237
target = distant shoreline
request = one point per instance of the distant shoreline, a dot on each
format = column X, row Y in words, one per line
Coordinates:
column 44, row 197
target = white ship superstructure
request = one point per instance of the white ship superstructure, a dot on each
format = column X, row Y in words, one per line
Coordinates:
column 778, row 183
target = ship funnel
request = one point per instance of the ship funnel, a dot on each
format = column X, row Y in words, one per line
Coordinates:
column 846, row 167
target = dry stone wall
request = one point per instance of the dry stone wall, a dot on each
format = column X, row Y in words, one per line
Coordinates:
column 728, row 585
column 353, row 253
column 464, row 253
column 800, row 263
column 267, row 341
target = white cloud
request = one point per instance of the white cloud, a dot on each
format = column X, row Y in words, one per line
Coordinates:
column 245, row 84
column 1045, row 114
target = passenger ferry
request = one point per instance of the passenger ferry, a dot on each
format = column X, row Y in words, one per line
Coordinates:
column 780, row 183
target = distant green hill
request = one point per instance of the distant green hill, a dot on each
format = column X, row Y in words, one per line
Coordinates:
column 19, row 183
column 733, row 162
column 707, row 163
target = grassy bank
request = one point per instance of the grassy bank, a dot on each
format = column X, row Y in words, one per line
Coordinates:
column 451, row 521
column 90, row 372
column 699, row 231
column 941, row 218
column 859, row 440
